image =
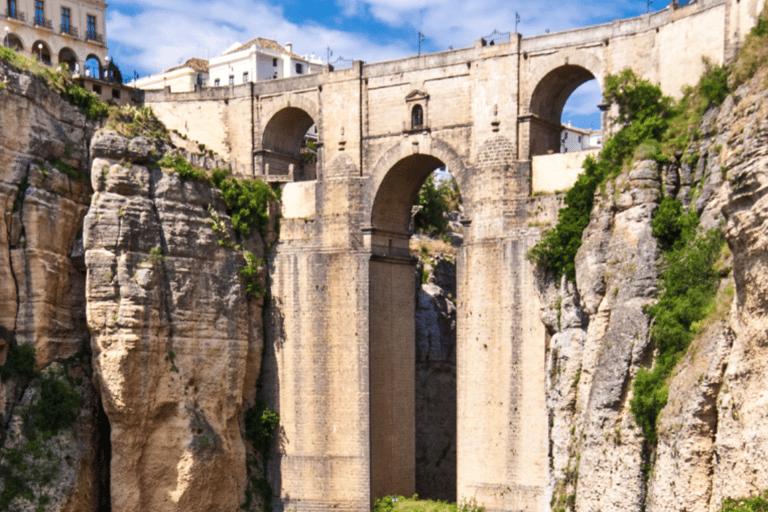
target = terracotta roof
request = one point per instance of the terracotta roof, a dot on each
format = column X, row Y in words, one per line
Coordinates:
column 268, row 44
column 194, row 63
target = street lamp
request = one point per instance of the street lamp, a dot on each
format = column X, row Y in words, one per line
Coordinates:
column 7, row 41
column 40, row 47
column 106, row 71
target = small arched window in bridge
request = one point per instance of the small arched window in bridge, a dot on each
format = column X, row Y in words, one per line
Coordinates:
column 417, row 117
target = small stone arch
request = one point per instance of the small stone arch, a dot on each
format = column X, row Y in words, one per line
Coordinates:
column 284, row 151
column 14, row 42
column 551, row 83
column 69, row 57
column 41, row 51
column 92, row 66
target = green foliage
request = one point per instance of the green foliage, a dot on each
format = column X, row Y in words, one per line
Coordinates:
column 58, row 80
column 414, row 504
column 132, row 121
column 757, row 504
column 67, row 169
column 20, row 363
column 753, row 54
column 260, row 424
column 58, row 405
column 688, row 285
column 645, row 113
column 436, row 200
column 248, row 202
column 186, row 171
column 713, row 84
column 21, row 193
column 253, row 288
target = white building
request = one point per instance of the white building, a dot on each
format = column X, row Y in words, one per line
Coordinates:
column 578, row 139
column 72, row 32
column 258, row 59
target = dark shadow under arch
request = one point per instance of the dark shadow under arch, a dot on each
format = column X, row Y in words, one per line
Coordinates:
column 67, row 56
column 392, row 331
column 13, row 42
column 284, row 145
column 41, row 51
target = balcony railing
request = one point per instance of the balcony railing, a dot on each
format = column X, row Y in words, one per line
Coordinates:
column 43, row 22
column 15, row 15
column 94, row 36
column 69, row 30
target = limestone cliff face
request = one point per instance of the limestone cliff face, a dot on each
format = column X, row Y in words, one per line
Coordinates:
column 176, row 343
column 42, row 289
column 712, row 443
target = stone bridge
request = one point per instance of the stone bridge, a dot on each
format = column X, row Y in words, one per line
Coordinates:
column 339, row 366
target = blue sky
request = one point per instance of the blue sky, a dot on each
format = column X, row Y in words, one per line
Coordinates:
column 147, row 36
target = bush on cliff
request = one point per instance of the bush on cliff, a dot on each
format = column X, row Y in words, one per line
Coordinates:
column 436, row 200
column 645, row 114
column 688, row 284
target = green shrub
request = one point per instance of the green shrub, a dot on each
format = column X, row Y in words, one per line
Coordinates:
column 248, row 202
column 253, row 288
column 688, row 285
column 753, row 54
column 435, row 200
column 58, row 406
column 180, row 165
column 757, row 504
column 260, row 424
column 20, row 363
column 645, row 113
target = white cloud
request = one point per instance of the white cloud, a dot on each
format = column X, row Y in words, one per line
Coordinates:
column 584, row 100
column 164, row 32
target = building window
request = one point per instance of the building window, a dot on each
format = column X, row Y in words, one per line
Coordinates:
column 199, row 79
column 299, row 68
column 245, row 77
column 116, row 94
column 97, row 89
column 217, row 82
column 417, row 117
column 12, row 9
column 38, row 12
column 91, row 27
column 231, row 79
column 274, row 63
column 65, row 18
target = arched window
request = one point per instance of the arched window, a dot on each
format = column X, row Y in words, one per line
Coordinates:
column 417, row 117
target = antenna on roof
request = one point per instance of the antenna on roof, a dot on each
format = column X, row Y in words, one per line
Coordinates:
column 421, row 38
column 649, row 6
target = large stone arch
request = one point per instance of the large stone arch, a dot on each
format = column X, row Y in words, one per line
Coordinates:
column 280, row 145
column 551, row 81
column 435, row 149
column 14, row 41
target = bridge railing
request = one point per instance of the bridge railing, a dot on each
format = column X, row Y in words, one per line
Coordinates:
column 341, row 63
column 496, row 37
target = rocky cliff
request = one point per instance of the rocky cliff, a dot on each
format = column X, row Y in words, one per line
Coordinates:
column 711, row 444
column 149, row 393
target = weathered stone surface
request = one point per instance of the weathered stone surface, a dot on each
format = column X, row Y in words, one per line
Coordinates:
column 177, row 345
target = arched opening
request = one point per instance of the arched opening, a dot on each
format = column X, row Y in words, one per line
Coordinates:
column 13, row 42
column 68, row 57
column 547, row 103
column 417, row 117
column 412, row 372
column 582, row 119
column 41, row 52
column 93, row 66
column 289, row 146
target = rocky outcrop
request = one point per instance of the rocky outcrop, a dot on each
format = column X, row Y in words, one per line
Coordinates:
column 711, row 444
column 44, row 196
column 176, row 343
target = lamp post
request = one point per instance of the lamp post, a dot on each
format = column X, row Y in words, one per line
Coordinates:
column 106, row 71
column 40, row 47
column 6, row 40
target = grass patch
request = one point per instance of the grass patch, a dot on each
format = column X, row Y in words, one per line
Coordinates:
column 131, row 122
column 414, row 504
column 757, row 504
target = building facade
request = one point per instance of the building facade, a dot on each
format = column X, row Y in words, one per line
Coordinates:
column 257, row 60
column 72, row 32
